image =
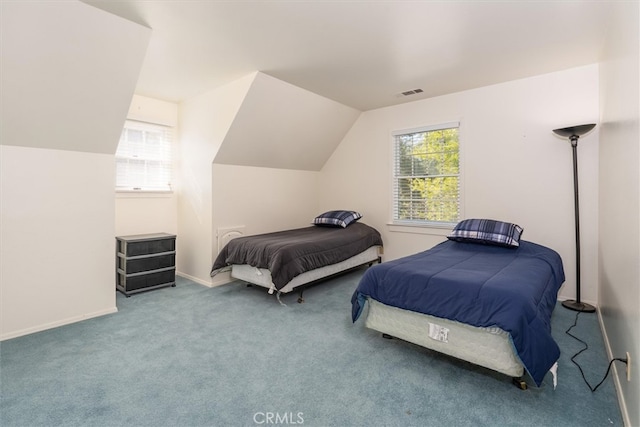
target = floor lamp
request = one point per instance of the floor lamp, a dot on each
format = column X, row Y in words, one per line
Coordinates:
column 573, row 133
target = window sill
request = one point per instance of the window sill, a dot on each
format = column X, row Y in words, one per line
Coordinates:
column 140, row 194
column 432, row 229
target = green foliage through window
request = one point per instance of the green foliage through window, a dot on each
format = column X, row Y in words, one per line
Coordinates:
column 427, row 176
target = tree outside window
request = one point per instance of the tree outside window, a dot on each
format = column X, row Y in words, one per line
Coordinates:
column 427, row 176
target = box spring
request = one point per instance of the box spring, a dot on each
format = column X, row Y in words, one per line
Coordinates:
column 262, row 276
column 488, row 347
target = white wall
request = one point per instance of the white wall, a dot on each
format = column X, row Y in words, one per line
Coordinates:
column 514, row 167
column 57, row 243
column 262, row 200
column 204, row 122
column 147, row 212
column 226, row 126
column 619, row 179
column 68, row 73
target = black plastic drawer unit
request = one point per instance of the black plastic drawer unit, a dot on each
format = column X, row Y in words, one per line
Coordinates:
column 145, row 262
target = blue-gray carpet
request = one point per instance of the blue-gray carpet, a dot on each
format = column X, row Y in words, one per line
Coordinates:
column 233, row 356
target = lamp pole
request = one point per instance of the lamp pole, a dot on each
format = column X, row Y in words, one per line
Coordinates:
column 574, row 133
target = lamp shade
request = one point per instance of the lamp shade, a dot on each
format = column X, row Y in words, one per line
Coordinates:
column 574, row 130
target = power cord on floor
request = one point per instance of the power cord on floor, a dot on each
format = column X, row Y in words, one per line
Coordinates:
column 586, row 346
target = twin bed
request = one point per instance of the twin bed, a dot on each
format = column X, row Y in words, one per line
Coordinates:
column 488, row 305
column 483, row 295
column 290, row 260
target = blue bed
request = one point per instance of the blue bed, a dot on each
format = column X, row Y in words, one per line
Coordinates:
column 512, row 288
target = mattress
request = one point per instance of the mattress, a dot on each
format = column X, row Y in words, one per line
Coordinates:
column 489, row 347
column 289, row 253
column 478, row 285
column 262, row 276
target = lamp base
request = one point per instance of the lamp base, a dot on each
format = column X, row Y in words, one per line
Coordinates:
column 578, row 306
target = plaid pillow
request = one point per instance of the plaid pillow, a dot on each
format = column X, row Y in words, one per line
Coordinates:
column 337, row 218
column 487, row 231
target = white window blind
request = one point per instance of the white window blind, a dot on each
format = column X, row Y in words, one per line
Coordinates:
column 143, row 158
column 426, row 176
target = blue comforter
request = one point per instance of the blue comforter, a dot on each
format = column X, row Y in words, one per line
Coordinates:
column 480, row 285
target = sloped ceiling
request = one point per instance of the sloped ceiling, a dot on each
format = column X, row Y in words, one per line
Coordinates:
column 361, row 53
column 68, row 73
column 283, row 126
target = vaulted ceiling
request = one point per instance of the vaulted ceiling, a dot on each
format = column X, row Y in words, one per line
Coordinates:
column 298, row 131
column 67, row 75
column 362, row 54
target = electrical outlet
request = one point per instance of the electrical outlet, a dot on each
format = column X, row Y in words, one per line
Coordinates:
column 628, row 366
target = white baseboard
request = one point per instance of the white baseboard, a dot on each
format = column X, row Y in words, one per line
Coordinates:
column 56, row 324
column 616, row 377
column 218, row 280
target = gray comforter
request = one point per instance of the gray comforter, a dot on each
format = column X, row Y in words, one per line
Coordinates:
column 289, row 253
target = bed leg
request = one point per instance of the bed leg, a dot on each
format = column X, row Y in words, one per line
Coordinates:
column 300, row 298
column 520, row 383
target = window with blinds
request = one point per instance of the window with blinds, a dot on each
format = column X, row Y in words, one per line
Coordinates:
column 143, row 158
column 426, row 176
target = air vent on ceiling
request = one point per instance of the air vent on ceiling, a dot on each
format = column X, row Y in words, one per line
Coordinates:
column 412, row 92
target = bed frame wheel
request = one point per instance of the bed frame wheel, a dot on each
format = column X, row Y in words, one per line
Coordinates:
column 520, row 383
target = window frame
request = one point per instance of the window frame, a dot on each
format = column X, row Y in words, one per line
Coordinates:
column 169, row 137
column 425, row 226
